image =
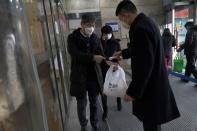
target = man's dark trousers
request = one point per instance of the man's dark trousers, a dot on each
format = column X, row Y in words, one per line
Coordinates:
column 191, row 65
column 93, row 92
column 151, row 127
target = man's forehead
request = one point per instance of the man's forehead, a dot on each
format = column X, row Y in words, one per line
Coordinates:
column 90, row 24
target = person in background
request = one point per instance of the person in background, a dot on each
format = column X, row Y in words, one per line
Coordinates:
column 169, row 41
column 190, row 50
column 110, row 46
column 153, row 100
column 85, row 50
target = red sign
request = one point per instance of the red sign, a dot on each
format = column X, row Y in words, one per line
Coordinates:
column 182, row 13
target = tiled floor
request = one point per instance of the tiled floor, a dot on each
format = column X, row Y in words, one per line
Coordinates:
column 186, row 97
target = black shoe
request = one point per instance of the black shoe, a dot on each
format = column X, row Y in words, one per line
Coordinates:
column 104, row 116
column 84, row 128
column 95, row 128
column 183, row 80
column 119, row 106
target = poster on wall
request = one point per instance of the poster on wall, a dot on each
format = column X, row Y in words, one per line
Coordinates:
column 181, row 17
column 113, row 25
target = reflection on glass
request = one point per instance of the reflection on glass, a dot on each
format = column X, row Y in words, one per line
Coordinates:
column 44, row 46
column 21, row 103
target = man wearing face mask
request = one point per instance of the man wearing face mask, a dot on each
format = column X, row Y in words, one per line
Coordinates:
column 150, row 91
column 110, row 46
column 85, row 51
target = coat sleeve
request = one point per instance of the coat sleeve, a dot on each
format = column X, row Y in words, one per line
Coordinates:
column 76, row 53
column 188, row 40
column 99, row 50
column 173, row 41
column 104, row 66
column 118, row 46
column 182, row 46
column 142, row 63
column 126, row 54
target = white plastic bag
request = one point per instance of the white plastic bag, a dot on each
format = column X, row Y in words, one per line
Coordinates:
column 115, row 83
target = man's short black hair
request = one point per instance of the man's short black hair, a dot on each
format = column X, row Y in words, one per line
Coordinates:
column 106, row 29
column 190, row 23
column 125, row 6
column 166, row 30
column 88, row 18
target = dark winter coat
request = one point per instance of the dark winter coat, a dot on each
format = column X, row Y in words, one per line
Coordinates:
column 110, row 47
column 190, row 45
column 169, row 41
column 83, row 67
column 154, row 100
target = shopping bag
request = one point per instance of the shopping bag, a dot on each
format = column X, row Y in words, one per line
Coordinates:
column 178, row 63
column 115, row 82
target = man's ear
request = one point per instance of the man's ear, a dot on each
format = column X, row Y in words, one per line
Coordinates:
column 82, row 24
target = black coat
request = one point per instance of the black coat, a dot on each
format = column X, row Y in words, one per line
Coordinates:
column 169, row 41
column 83, row 67
column 154, row 100
column 190, row 45
column 110, row 47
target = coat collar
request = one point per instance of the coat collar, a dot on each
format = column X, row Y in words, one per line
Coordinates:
column 78, row 34
column 137, row 19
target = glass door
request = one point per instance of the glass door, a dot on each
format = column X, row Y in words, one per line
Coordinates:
column 22, row 106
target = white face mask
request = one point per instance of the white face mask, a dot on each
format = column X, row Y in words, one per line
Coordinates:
column 89, row 31
column 109, row 36
column 125, row 25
